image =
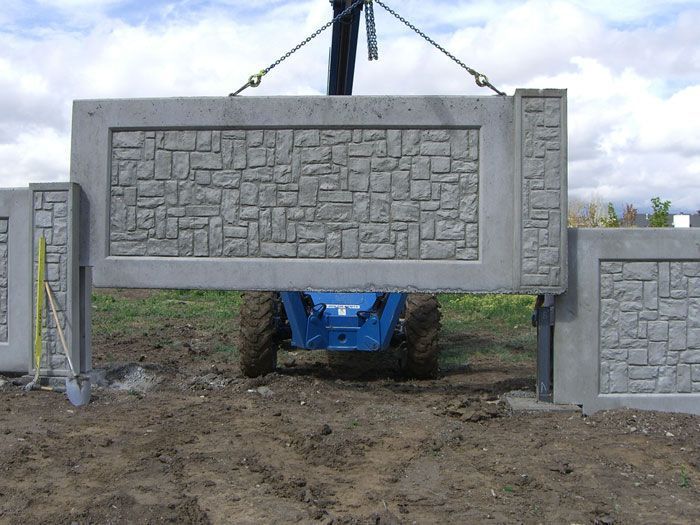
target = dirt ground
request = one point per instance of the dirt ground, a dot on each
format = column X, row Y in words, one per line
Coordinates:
column 179, row 436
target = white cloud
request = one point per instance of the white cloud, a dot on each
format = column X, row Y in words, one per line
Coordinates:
column 627, row 11
column 36, row 155
column 632, row 70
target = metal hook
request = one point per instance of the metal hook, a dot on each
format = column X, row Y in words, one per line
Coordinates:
column 481, row 80
column 253, row 81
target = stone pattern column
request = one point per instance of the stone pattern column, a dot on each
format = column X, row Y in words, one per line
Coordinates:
column 649, row 327
column 307, row 193
column 541, row 145
column 51, row 220
column 4, row 257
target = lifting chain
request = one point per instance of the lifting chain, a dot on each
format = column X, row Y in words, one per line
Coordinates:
column 480, row 79
column 372, row 47
column 256, row 79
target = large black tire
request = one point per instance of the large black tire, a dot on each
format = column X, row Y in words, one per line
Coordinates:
column 257, row 341
column 422, row 326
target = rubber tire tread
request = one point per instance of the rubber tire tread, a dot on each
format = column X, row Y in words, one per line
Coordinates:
column 257, row 340
column 422, row 327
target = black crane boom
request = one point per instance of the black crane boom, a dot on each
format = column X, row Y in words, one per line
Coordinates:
column 341, row 68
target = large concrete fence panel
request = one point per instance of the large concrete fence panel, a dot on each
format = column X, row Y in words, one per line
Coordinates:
column 332, row 193
column 628, row 329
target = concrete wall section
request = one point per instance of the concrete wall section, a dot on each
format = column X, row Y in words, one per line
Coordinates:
column 307, row 193
column 15, row 280
column 331, row 193
column 541, row 163
column 4, row 238
column 55, row 215
column 628, row 330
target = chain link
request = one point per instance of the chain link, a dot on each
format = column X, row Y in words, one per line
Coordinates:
column 372, row 46
column 480, row 79
column 256, row 79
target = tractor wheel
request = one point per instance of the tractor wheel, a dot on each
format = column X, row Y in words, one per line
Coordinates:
column 257, row 341
column 422, row 325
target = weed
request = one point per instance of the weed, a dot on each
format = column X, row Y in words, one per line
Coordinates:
column 684, row 480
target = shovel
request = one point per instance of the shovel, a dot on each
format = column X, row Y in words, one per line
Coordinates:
column 78, row 387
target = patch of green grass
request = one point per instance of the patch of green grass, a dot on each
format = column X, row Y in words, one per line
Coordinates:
column 487, row 309
column 455, row 355
column 120, row 314
column 490, row 325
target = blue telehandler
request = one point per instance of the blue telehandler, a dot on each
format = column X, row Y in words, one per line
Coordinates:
column 342, row 322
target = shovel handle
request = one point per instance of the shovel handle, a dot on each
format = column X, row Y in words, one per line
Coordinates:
column 49, row 293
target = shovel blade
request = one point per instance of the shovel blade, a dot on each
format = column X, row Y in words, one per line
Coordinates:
column 78, row 390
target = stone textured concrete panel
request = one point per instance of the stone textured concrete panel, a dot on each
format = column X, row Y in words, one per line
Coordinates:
column 4, row 237
column 51, row 221
column 55, row 215
column 628, row 329
column 649, row 338
column 332, row 193
column 543, row 204
column 307, row 193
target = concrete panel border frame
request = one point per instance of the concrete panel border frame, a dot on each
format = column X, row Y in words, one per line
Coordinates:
column 521, row 202
column 628, row 329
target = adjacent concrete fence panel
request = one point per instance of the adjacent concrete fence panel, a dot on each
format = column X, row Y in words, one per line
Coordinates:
column 51, row 210
column 628, row 330
column 15, row 280
column 55, row 215
column 332, row 193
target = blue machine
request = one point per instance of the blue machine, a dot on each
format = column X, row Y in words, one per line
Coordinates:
column 343, row 321
column 316, row 320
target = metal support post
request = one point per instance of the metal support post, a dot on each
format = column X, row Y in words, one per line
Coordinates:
column 543, row 318
column 85, row 310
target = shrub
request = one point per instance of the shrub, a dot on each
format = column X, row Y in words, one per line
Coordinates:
column 660, row 217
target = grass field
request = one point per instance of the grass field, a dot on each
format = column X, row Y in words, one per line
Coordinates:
column 497, row 326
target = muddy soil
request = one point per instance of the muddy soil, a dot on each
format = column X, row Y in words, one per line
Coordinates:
column 179, row 436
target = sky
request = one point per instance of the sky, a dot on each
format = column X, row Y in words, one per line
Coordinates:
column 632, row 70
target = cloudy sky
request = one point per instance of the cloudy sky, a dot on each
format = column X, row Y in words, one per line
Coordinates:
column 632, row 68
